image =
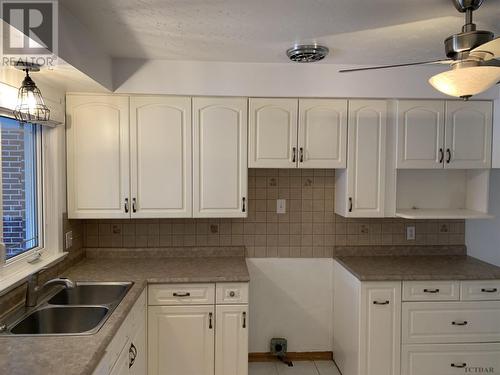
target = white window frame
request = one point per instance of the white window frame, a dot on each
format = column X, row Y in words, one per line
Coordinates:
column 51, row 176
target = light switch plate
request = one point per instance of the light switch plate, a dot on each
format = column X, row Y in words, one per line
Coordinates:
column 281, row 206
column 69, row 239
column 410, row 233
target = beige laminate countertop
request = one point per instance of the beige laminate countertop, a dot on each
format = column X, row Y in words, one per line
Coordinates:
column 435, row 267
column 68, row 355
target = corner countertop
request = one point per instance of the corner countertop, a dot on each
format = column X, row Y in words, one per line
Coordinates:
column 434, row 267
column 80, row 355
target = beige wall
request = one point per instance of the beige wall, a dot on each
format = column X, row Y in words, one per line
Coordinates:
column 308, row 229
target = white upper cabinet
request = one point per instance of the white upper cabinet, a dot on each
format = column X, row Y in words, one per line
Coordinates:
column 98, row 156
column 220, row 157
column 420, row 134
column 322, row 135
column 433, row 134
column 360, row 189
column 272, row 133
column 160, row 145
column 468, row 134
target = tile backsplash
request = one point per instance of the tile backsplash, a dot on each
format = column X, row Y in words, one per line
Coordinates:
column 309, row 228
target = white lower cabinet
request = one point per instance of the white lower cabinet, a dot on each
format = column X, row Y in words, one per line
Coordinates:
column 450, row 359
column 198, row 336
column 366, row 325
column 231, row 340
column 181, row 340
column 126, row 354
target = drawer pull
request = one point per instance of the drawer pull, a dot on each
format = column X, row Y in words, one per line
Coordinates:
column 489, row 290
column 463, row 323
column 431, row 290
column 187, row 294
column 380, row 302
column 210, row 326
column 244, row 319
column 459, row 365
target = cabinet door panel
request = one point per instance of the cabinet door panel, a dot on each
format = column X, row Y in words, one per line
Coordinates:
column 180, row 340
column 98, row 156
column 231, row 340
column 272, row 133
column 380, row 328
column 161, row 156
column 220, row 157
column 468, row 134
column 420, row 134
column 366, row 158
column 322, row 134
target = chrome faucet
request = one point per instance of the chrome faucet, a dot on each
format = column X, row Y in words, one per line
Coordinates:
column 34, row 290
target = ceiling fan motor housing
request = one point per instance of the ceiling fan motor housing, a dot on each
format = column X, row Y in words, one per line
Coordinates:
column 458, row 44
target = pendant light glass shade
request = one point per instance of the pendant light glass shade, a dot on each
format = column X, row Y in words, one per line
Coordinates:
column 30, row 105
column 465, row 82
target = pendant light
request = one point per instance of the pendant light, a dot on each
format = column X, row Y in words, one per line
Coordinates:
column 30, row 106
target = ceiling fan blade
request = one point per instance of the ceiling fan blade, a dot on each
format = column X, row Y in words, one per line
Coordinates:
column 487, row 51
column 492, row 62
column 396, row 65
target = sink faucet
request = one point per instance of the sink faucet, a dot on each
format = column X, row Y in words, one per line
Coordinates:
column 34, row 290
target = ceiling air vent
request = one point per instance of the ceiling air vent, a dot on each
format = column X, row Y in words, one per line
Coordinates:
column 307, row 53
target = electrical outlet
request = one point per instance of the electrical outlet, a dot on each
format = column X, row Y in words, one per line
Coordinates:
column 69, row 239
column 410, row 233
column 281, row 206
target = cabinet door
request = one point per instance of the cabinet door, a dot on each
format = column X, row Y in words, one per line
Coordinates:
column 366, row 158
column 420, row 134
column 160, row 144
column 272, row 133
column 181, row 340
column 468, row 134
column 97, row 156
column 322, row 136
column 231, row 340
column 138, row 349
column 121, row 366
column 220, row 157
column 380, row 342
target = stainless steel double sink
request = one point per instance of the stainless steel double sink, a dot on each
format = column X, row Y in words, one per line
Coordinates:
column 81, row 310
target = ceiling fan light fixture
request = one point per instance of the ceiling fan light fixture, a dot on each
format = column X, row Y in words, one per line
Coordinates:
column 465, row 82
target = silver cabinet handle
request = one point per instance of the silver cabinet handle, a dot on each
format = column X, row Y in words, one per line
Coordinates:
column 132, row 355
column 210, row 326
column 380, row 302
column 187, row 294
column 134, row 208
column 431, row 290
column 462, row 323
column 126, row 205
column 244, row 319
column 458, row 365
column 489, row 290
column 294, row 152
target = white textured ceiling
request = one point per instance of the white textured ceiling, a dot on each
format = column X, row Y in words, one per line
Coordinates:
column 356, row 31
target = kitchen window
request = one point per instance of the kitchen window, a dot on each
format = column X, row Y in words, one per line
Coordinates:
column 21, row 195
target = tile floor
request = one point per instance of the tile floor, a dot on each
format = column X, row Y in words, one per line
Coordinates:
column 299, row 368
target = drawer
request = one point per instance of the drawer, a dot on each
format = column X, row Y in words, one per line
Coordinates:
column 231, row 293
column 431, row 290
column 451, row 359
column 480, row 290
column 181, row 294
column 450, row 322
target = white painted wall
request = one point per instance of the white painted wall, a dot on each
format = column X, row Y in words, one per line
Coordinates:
column 483, row 236
column 291, row 298
column 279, row 80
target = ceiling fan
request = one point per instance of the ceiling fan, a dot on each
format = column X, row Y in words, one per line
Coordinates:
column 472, row 55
